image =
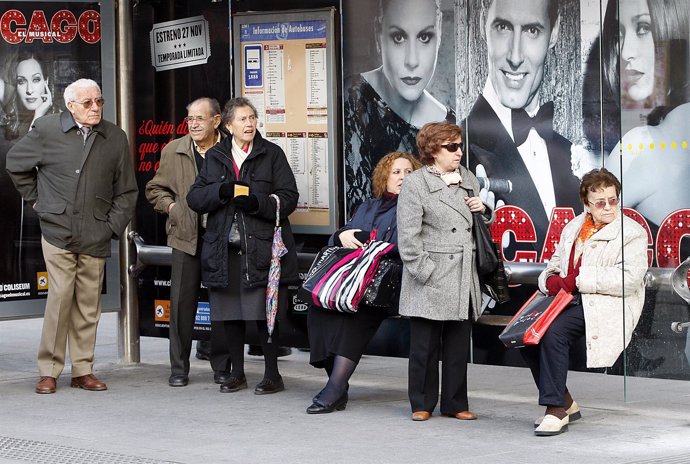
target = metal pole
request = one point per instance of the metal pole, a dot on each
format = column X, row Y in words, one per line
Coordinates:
column 128, row 317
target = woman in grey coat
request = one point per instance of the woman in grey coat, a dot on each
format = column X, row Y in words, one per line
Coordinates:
column 440, row 286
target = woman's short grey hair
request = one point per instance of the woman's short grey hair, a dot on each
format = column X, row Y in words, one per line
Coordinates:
column 71, row 90
column 232, row 105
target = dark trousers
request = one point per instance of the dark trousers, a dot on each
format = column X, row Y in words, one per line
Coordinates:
column 549, row 360
column 219, row 357
column 429, row 340
column 184, row 296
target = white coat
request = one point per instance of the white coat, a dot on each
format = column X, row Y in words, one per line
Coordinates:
column 611, row 282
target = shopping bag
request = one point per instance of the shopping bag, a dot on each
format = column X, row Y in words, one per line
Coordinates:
column 530, row 324
column 339, row 277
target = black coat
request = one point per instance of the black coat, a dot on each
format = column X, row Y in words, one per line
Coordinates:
column 267, row 172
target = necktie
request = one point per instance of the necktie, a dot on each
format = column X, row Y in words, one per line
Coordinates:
column 542, row 122
column 85, row 131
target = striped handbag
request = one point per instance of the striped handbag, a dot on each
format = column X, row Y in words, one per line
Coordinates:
column 339, row 277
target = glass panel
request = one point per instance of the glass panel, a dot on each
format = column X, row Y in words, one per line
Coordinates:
column 649, row 43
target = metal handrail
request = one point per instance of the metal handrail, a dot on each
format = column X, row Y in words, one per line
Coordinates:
column 657, row 278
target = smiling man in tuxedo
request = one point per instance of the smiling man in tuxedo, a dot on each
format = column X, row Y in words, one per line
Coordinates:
column 509, row 132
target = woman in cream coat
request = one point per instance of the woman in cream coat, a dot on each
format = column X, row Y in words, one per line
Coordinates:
column 602, row 263
column 440, row 288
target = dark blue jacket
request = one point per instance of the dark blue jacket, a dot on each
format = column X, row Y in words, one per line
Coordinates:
column 365, row 219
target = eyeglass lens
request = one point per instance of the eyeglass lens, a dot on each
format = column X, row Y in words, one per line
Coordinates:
column 89, row 103
column 601, row 204
column 453, row 147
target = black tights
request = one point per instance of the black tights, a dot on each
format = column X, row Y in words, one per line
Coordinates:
column 234, row 332
column 339, row 369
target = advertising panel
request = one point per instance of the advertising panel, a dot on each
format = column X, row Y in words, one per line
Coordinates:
column 44, row 46
column 544, row 96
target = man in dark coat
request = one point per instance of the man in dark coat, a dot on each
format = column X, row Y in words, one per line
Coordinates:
column 508, row 133
column 75, row 169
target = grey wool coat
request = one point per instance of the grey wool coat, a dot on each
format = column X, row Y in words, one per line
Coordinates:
column 437, row 248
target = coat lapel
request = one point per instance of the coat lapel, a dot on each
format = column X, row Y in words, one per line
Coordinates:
column 438, row 188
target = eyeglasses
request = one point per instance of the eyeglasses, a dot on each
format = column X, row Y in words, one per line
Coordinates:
column 86, row 104
column 453, row 147
column 192, row 119
column 601, row 204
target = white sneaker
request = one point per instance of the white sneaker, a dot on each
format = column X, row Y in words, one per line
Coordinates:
column 573, row 414
column 552, row 425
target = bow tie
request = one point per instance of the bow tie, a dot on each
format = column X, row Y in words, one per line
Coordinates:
column 542, row 122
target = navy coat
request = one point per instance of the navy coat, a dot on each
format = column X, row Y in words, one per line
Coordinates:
column 365, row 219
column 267, row 172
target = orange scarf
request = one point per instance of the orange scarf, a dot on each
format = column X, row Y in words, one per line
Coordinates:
column 588, row 229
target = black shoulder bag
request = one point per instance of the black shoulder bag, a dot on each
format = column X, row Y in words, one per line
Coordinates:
column 492, row 273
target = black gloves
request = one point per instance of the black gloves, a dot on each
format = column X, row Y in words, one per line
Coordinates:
column 227, row 190
column 247, row 203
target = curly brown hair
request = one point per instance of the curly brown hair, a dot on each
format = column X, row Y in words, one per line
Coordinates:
column 598, row 179
column 432, row 136
column 379, row 179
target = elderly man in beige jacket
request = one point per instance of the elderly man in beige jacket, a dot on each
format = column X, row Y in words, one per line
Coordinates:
column 180, row 163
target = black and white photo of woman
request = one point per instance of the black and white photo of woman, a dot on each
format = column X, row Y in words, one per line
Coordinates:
column 386, row 106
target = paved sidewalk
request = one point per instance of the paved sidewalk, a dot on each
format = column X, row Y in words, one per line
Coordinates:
column 142, row 420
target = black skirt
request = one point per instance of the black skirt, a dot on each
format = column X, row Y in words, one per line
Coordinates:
column 238, row 303
column 333, row 333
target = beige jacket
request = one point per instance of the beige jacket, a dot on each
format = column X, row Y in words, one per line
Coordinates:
column 176, row 174
column 612, row 288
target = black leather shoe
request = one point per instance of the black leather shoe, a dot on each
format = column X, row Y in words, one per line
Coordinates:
column 316, row 397
column 319, row 408
column 268, row 386
column 220, row 377
column 178, row 380
column 284, row 351
column 203, row 350
column 233, row 384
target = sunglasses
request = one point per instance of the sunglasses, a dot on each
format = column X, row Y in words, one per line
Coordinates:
column 601, row 204
column 453, row 147
column 86, row 104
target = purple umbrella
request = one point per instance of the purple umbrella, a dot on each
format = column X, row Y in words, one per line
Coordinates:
column 278, row 250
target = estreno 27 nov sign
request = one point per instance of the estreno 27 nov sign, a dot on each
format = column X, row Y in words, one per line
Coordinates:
column 180, row 43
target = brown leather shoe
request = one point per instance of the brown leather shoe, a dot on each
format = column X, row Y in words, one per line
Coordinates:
column 464, row 415
column 421, row 416
column 88, row 382
column 45, row 385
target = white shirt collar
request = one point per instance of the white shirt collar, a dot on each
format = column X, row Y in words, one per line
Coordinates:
column 504, row 114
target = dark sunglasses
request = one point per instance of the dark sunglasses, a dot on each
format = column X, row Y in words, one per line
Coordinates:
column 601, row 204
column 453, row 147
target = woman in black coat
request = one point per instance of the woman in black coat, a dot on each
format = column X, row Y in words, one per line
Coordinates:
column 234, row 188
column 338, row 340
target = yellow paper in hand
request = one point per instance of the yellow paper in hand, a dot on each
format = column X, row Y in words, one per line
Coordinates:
column 241, row 190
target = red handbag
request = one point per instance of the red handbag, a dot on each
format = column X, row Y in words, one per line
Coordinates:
column 530, row 324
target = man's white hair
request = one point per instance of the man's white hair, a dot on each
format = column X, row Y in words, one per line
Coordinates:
column 71, row 89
